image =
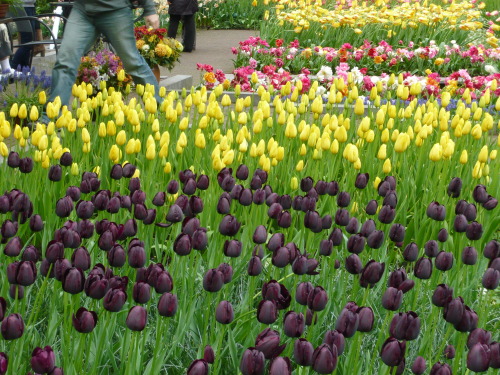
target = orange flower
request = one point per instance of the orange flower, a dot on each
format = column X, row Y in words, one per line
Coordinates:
column 378, row 59
column 209, row 77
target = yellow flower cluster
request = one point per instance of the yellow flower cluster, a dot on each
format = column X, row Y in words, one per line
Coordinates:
column 163, row 50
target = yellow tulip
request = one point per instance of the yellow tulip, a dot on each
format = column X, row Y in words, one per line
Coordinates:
column 151, row 152
column 14, row 110
column 436, row 152
column 376, row 182
column 85, row 135
column 483, row 154
column 4, row 151
column 300, row 166
column 114, row 154
column 382, row 152
column 386, row 168
column 200, row 140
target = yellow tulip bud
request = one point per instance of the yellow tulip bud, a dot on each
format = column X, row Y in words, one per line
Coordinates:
column 493, row 154
column 14, row 110
column 376, row 182
column 85, row 135
column 436, row 152
column 200, row 140
column 121, row 76
column 483, row 155
column 114, row 154
column 300, row 166
column 294, row 183
column 151, row 152
column 386, row 168
column 4, row 151
column 23, row 112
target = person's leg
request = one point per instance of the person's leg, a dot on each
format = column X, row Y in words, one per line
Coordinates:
column 173, row 25
column 22, row 56
column 118, row 27
column 5, row 50
column 79, row 35
column 189, row 34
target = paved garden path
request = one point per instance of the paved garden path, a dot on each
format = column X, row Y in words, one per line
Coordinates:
column 212, row 47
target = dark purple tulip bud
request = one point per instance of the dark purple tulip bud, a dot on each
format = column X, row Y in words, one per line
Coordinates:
column 311, row 317
column 375, row 239
column 280, row 366
column 390, row 199
column 281, row 257
column 372, row 273
column 293, row 324
column 164, row 282
column 268, row 342
column 480, row 194
column 474, row 231
column 125, row 202
column 54, row 251
column 73, row 280
column 419, row 366
column 326, row 222
column 366, row 319
column 85, row 187
column 470, row 212
column 134, row 184
column 175, row 214
column 71, row 239
column 254, row 266
column 332, row 188
column 443, row 294
column 198, row 367
column 173, row 187
column 491, row 203
column 386, row 214
column 303, row 352
column 276, row 292
column 317, row 299
column 227, row 272
column 460, row 223
column 343, row 199
column 81, row 258
column 284, row 219
column 302, row 292
column 440, row 369
column 213, row 280
column 274, row 210
column 313, row 221
column 406, row 285
column 259, row 197
column 312, row 264
column 325, row 247
column 140, row 212
column 371, row 207
column 232, row 248
column 297, row 202
column 255, row 183
column 12, row 327
column 116, row 256
column 423, row 268
column 491, row 279
column 116, row 172
column 224, row 313
column 43, row 360
column 190, row 225
column 167, row 305
column 26, row 165
column 16, row 291
column 13, row 247
column 367, row 228
column 353, row 226
column 361, row 180
column 84, row 321
column 449, row 352
column 186, row 174
column 84, row 209
column 208, row 354
column 45, row 266
column 478, row 336
column 410, row 252
column 393, row 352
column 397, row 232
column 461, row 206
column 347, row 322
column 353, row 264
column 141, row 292
column 397, row 277
column 267, row 312
column 335, row 338
column 260, row 235
column 252, row 362
column 405, row 326
column 436, row 211
column 114, row 299
column 308, row 204
column 36, row 223
column 136, row 256
column 455, row 187
column 444, row 261
column 138, row 197
column 478, row 358
column 242, row 172
column 4, row 204
column 392, row 299
column 96, row 286
column 189, row 187
column 492, row 249
column 336, row 237
column 245, row 197
column 383, row 188
column 64, row 206
column 128, row 170
column 25, row 273
column 9, row 229
column 4, row 361
column 494, row 355
column 324, row 359
column 159, row 199
column 55, row 173
column 468, row 322
column 321, row 187
column 31, row 253
column 276, row 241
column 342, row 217
column 101, row 200
column 306, row 184
column 299, row 265
column 285, row 201
column 137, row 318
column 223, row 205
column 454, row 310
column 495, row 264
column 442, row 235
column 182, row 244
column 13, row 159
column 227, row 183
column 272, row 198
column 229, row 225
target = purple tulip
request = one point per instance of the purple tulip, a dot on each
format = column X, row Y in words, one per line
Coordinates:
column 405, row 326
column 324, row 359
column 392, row 299
column 393, row 352
column 12, row 327
column 293, row 324
column 267, row 312
column 84, row 321
column 303, row 352
column 198, row 367
column 419, row 366
column 252, row 362
column 268, row 342
column 137, row 318
column 167, row 305
column 43, row 360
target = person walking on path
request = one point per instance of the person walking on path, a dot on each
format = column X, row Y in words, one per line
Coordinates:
column 183, row 10
column 113, row 19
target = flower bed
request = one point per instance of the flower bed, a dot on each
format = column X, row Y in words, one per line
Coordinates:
column 363, row 216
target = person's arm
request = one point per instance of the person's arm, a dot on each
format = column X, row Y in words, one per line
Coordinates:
column 150, row 16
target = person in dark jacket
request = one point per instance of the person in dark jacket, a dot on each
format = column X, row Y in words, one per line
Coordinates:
column 183, row 10
column 114, row 19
